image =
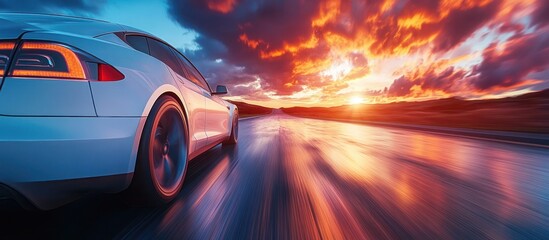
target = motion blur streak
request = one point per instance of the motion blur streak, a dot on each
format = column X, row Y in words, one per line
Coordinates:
column 295, row 178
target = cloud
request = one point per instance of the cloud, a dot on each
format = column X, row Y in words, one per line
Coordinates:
column 401, row 87
column 510, row 27
column 507, row 65
column 239, row 32
column 461, row 23
column 540, row 16
column 222, row 6
column 518, row 62
column 52, row 6
column 401, row 27
column 294, row 48
column 293, row 44
column 434, row 79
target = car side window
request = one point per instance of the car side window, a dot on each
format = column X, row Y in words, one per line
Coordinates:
column 194, row 74
column 165, row 54
column 139, row 43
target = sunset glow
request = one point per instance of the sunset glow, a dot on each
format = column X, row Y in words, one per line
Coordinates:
column 337, row 70
column 384, row 50
column 356, row 100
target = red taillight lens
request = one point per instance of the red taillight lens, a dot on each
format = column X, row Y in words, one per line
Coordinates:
column 36, row 59
column 108, row 73
column 48, row 60
column 5, row 52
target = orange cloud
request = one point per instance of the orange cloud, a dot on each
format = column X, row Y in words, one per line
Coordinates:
column 250, row 43
column 222, row 6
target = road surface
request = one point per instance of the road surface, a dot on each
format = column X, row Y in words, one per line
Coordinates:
column 296, row 178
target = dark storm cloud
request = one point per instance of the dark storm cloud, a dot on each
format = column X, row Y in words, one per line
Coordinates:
column 261, row 20
column 51, row 6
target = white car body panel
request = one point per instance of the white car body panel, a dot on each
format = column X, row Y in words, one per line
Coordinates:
column 197, row 107
column 217, row 119
column 39, row 150
column 82, row 131
column 33, row 97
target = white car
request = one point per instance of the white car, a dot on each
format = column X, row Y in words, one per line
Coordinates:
column 88, row 106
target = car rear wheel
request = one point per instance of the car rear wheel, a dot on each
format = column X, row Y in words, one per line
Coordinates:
column 233, row 138
column 163, row 153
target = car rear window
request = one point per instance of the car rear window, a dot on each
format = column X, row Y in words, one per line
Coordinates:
column 139, row 43
column 164, row 53
column 194, row 74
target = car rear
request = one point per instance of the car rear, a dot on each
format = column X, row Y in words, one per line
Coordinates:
column 54, row 146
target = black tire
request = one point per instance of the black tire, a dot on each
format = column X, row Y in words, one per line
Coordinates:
column 162, row 156
column 233, row 138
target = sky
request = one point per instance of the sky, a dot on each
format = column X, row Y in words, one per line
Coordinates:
column 282, row 53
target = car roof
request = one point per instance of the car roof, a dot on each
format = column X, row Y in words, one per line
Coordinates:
column 24, row 22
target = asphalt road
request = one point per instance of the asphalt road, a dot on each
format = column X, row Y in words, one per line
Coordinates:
column 295, row 178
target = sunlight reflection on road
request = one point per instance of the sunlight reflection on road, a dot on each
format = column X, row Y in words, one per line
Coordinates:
column 302, row 178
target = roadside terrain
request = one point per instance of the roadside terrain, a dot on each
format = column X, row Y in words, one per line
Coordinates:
column 524, row 113
column 250, row 110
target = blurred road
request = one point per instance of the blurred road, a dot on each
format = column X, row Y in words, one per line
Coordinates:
column 295, row 178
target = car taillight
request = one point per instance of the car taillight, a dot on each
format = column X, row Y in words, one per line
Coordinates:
column 5, row 52
column 48, row 60
column 108, row 73
column 37, row 59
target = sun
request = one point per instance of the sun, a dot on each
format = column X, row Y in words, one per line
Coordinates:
column 356, row 100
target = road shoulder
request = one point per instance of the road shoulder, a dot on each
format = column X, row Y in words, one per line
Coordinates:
column 530, row 139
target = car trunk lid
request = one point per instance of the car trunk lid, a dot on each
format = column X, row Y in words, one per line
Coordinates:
column 12, row 30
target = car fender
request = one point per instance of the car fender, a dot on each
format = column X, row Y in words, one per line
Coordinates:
column 162, row 90
column 232, row 112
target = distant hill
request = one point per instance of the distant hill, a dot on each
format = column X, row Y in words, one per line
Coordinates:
column 524, row 113
column 246, row 109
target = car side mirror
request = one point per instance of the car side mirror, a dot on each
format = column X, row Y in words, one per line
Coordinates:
column 220, row 90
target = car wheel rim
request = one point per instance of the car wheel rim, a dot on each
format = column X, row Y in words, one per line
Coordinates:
column 169, row 151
